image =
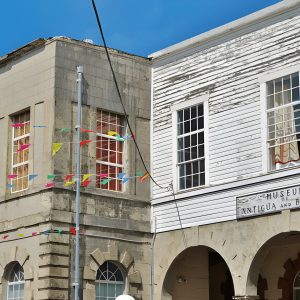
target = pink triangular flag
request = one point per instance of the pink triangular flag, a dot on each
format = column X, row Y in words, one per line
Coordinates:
column 49, row 185
column 23, row 147
column 11, row 176
column 17, row 125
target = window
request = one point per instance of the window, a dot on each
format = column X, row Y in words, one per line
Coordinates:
column 190, row 147
column 20, row 159
column 109, row 150
column 15, row 285
column 109, row 282
column 296, row 287
column 283, row 114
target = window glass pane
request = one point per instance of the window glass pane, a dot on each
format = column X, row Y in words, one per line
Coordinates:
column 194, row 152
column 286, row 82
column 188, row 182
column 180, row 128
column 180, row 116
column 194, row 125
column 187, row 143
column 200, row 110
column 196, row 167
column 182, row 183
column 295, row 94
column 103, row 289
column 187, row 114
column 181, row 170
column 202, row 179
column 270, row 87
column 180, row 144
column 194, row 139
column 111, row 290
column 188, row 168
column 187, row 154
column 278, row 99
column 193, row 112
column 295, row 79
column 200, row 138
column 200, row 123
column 278, row 85
column 119, row 289
column 202, row 165
column 287, row 97
column 195, row 180
column 187, row 128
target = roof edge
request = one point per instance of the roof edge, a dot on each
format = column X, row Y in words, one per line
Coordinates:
column 22, row 50
column 229, row 28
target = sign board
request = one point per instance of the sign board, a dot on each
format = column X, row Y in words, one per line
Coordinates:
column 268, row 202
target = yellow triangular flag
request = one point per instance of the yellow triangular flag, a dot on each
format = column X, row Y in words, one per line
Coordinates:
column 68, row 183
column 86, row 177
column 55, row 148
column 111, row 133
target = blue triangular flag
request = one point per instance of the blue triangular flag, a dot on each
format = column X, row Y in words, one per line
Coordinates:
column 125, row 180
column 10, row 186
column 32, row 176
column 121, row 175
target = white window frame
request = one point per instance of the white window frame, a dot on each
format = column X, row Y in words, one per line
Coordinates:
column 109, row 137
column 12, row 153
column 263, row 79
column 179, row 106
column 124, row 282
column 14, row 283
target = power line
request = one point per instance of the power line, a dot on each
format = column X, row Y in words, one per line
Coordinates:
column 120, row 98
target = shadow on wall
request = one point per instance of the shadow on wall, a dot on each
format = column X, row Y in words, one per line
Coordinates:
column 198, row 273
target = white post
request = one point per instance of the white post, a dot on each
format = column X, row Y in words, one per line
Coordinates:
column 78, row 177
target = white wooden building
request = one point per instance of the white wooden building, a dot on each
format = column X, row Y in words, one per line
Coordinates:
column 226, row 134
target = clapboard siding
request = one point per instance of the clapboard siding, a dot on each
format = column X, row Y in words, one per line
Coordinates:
column 211, row 207
column 229, row 73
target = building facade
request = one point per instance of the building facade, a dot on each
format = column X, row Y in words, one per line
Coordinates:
column 38, row 106
column 225, row 136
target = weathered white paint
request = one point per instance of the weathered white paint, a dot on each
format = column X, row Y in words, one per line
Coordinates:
column 232, row 71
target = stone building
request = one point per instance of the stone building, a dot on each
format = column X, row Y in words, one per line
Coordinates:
column 226, row 134
column 38, row 105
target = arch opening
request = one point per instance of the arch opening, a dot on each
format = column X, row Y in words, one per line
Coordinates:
column 198, row 273
column 273, row 271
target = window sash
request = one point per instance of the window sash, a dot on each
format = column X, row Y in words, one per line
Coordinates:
column 20, row 159
column 111, row 147
column 190, row 162
column 283, row 115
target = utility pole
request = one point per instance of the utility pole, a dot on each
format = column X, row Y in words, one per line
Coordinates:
column 78, row 176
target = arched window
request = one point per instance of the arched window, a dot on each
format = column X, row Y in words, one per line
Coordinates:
column 15, row 284
column 110, row 281
column 296, row 287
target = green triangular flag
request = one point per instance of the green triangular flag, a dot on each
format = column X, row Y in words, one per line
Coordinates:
column 65, row 129
column 51, row 176
column 139, row 174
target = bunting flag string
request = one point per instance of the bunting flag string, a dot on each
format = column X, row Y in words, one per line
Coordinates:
column 18, row 236
column 68, row 180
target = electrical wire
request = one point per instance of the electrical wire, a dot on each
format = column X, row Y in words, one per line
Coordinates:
column 179, row 218
column 120, row 98
column 170, row 187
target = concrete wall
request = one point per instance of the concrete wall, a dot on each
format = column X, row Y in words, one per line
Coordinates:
column 42, row 76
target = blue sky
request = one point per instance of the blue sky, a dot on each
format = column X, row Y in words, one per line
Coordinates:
column 136, row 26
